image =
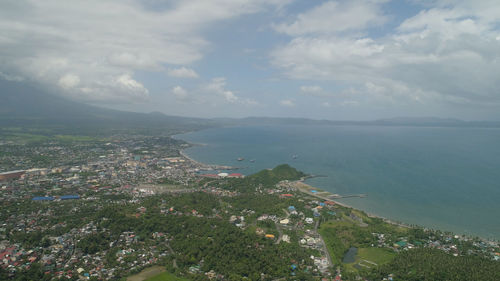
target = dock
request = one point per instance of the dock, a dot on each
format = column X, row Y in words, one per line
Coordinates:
column 336, row 196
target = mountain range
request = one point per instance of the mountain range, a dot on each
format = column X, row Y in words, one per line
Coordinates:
column 25, row 105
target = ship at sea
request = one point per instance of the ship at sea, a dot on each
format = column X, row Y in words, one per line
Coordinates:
column 240, row 159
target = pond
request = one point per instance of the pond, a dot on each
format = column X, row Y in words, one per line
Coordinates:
column 350, row 256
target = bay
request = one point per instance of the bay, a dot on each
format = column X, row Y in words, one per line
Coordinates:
column 443, row 178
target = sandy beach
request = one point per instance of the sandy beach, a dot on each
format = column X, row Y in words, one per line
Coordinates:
column 206, row 166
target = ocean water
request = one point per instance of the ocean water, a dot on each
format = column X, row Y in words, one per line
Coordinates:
column 442, row 178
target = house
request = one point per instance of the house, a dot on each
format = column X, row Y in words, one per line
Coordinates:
column 284, row 221
column 259, row 231
column 286, row 238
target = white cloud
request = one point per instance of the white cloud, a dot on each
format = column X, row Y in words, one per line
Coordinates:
column 349, row 103
column 329, row 58
column 11, row 77
column 335, row 16
column 126, row 83
column 119, row 89
column 287, row 103
column 182, row 72
column 311, row 89
column 180, row 93
column 447, row 54
column 218, row 87
column 136, row 61
column 98, row 41
column 69, row 81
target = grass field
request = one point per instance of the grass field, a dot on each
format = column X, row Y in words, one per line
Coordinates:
column 147, row 273
column 377, row 255
column 165, row 276
column 334, row 242
column 339, row 236
column 370, row 258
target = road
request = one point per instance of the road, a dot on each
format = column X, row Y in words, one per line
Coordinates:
column 323, row 245
column 279, row 227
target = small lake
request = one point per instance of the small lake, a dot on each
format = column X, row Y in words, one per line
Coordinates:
column 350, row 256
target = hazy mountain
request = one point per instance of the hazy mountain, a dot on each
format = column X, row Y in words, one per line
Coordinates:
column 24, row 105
column 398, row 121
column 27, row 106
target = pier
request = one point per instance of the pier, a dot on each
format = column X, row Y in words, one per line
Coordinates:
column 336, row 196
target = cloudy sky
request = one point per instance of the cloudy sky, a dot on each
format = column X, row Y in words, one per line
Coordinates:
column 353, row 59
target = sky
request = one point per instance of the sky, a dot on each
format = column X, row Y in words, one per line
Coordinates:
column 337, row 60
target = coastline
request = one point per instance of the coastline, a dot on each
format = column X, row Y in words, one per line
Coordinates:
column 305, row 188
column 204, row 166
column 325, row 195
column 299, row 185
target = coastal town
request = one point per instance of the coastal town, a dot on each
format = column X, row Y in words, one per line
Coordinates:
column 66, row 205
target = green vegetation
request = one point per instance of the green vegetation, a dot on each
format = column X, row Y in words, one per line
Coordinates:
column 377, row 259
column 213, row 227
column 212, row 244
column 166, row 276
column 73, row 138
column 341, row 235
column 379, row 256
column 37, row 135
column 35, row 272
column 272, row 177
column 435, row 265
column 370, row 258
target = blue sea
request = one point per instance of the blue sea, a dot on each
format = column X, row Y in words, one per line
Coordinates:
column 442, row 178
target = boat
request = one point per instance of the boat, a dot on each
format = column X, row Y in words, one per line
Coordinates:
column 295, row 156
column 253, row 160
column 240, row 159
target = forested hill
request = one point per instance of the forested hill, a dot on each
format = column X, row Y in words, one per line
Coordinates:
column 277, row 174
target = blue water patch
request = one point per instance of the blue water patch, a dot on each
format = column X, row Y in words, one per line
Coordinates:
column 350, row 255
column 444, row 178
